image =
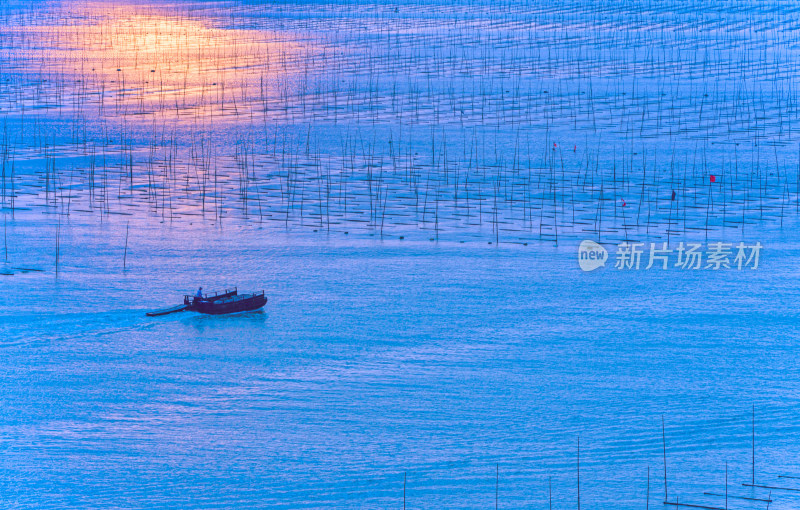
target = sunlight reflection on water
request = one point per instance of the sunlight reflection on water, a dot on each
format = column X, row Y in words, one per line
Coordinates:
column 144, row 60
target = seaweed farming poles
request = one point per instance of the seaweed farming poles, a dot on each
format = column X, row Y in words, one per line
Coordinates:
column 596, row 122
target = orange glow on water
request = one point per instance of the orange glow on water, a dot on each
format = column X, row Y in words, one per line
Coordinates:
column 152, row 62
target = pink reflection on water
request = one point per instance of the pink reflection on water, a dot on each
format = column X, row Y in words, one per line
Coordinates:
column 132, row 59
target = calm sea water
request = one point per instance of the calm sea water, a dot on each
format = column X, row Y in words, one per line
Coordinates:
column 288, row 147
column 374, row 359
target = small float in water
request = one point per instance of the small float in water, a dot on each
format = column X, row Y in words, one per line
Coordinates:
column 217, row 303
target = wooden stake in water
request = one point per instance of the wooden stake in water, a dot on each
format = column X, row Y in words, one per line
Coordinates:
column 664, row 441
column 125, row 253
column 58, row 243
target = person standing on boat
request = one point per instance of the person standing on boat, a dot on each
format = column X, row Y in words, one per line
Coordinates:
column 199, row 294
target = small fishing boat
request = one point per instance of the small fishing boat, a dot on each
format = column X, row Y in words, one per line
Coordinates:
column 216, row 303
column 229, row 304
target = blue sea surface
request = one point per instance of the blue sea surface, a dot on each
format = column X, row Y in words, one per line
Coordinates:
column 409, row 183
column 452, row 365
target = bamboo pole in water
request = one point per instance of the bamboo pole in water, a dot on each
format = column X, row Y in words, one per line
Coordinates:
column 664, row 442
column 579, row 472
column 125, row 253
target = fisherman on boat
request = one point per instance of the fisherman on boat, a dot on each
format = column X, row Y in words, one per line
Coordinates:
column 199, row 293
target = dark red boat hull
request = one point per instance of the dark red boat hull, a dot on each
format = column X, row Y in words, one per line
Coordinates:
column 234, row 304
